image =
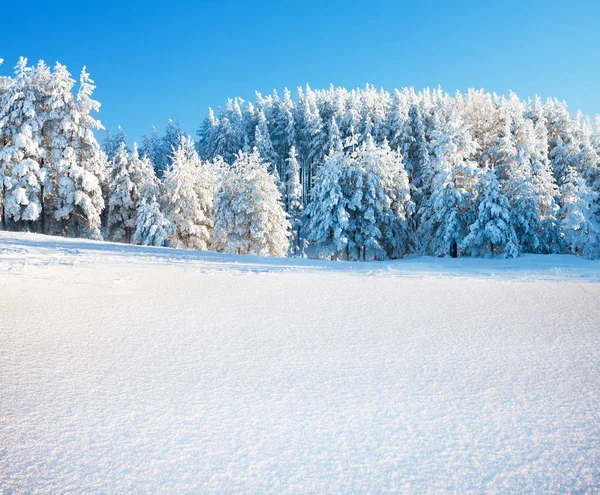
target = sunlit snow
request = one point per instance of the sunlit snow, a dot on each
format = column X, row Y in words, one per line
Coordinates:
column 128, row 369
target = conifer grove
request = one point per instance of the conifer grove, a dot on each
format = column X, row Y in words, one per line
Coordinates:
column 360, row 174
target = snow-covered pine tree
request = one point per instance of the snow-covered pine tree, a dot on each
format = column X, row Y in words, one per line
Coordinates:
column 397, row 239
column 248, row 213
column 228, row 135
column 112, row 142
column 313, row 141
column 181, row 202
column 142, row 175
column 492, row 232
column 450, row 181
column 328, row 221
column 21, row 122
column 293, row 200
column 264, row 146
column 152, row 227
column 122, row 200
column 79, row 192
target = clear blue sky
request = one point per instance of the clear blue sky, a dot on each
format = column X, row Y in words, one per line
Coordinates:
column 156, row 60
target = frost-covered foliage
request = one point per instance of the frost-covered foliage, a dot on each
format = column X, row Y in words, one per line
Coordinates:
column 445, row 143
column 122, row 198
column 248, row 212
column 362, row 174
column 292, row 199
column 152, row 227
column 359, row 204
column 21, row 153
column 189, row 186
column 492, row 233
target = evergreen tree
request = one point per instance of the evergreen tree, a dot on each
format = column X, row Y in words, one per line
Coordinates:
column 21, row 121
column 152, row 227
column 448, row 211
column 122, row 201
column 328, row 221
column 264, row 145
column 248, row 213
column 492, row 232
column 293, row 200
column 79, row 183
column 112, row 143
column 181, row 203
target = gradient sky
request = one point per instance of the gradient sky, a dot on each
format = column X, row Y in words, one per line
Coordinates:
column 155, row 60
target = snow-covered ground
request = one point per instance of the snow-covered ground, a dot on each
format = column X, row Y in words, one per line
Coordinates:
column 127, row 370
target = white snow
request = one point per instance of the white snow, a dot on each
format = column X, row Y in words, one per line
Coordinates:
column 127, row 369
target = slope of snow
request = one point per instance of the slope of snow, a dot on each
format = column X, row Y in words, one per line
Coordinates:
column 127, row 369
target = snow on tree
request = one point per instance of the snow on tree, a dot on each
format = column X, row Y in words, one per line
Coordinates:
column 448, row 210
column 578, row 218
column 492, row 232
column 394, row 179
column 79, row 194
column 313, row 140
column 122, row 201
column 141, row 171
column 264, row 145
column 293, row 200
column 248, row 213
column 182, row 205
column 368, row 205
column 152, row 148
column 228, row 134
column 111, row 143
column 158, row 149
column 328, row 221
column 152, row 227
column 21, row 121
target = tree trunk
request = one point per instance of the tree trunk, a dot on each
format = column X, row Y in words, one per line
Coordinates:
column 454, row 249
column 2, row 207
column 42, row 213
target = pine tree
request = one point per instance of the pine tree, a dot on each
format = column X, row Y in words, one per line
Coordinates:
column 328, row 221
column 492, row 232
column 448, row 210
column 181, row 203
column 79, row 190
column 293, row 200
column 394, row 179
column 112, row 143
column 21, row 121
column 145, row 182
column 152, row 227
column 264, row 145
column 122, row 201
column 248, row 213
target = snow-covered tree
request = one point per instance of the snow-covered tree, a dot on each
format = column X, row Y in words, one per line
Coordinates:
column 182, row 205
column 448, row 210
column 141, row 171
column 21, row 121
column 79, row 182
column 122, row 201
column 152, row 227
column 112, row 142
column 293, row 200
column 328, row 221
column 492, row 232
column 248, row 213
column 264, row 145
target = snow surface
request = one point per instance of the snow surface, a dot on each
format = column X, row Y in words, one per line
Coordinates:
column 128, row 370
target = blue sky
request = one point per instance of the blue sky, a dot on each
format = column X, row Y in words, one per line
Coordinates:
column 156, row 60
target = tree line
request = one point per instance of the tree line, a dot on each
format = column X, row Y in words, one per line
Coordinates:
column 359, row 175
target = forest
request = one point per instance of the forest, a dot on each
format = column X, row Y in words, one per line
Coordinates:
column 362, row 174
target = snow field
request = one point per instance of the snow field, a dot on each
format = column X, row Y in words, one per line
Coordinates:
column 136, row 370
